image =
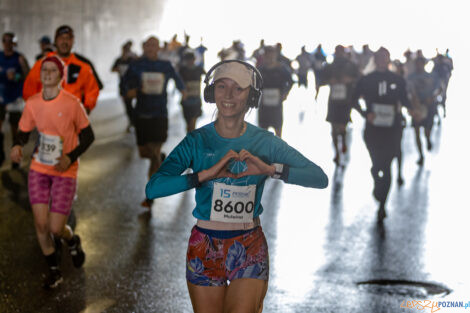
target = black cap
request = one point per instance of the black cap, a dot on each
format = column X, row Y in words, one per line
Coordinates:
column 64, row 29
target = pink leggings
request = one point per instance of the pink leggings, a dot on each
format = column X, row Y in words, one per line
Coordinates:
column 54, row 190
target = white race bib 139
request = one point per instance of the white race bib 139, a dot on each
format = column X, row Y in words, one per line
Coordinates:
column 233, row 204
column 384, row 114
column 152, row 83
column 49, row 149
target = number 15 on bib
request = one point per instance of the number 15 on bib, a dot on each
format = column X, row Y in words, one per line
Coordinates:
column 233, row 204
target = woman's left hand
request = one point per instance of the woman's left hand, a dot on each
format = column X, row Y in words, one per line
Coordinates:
column 255, row 166
column 63, row 164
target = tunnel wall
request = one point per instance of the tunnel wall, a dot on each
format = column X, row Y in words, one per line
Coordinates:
column 100, row 26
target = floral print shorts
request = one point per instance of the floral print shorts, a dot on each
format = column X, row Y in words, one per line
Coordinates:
column 214, row 261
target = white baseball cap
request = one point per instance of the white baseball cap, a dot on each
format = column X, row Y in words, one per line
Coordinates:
column 236, row 71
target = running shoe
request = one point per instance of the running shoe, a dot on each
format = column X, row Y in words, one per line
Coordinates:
column 76, row 251
column 53, row 280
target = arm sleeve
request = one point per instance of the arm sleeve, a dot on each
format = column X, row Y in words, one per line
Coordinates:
column 302, row 171
column 91, row 91
column 168, row 179
column 86, row 138
column 21, row 138
column 32, row 84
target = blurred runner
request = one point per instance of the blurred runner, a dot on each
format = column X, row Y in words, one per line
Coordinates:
column 147, row 80
column 277, row 82
column 191, row 75
column 120, row 66
column 384, row 93
column 423, row 88
column 13, row 70
column 341, row 75
column 305, row 63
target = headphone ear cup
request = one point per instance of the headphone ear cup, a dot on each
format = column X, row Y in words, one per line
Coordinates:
column 253, row 98
column 209, row 94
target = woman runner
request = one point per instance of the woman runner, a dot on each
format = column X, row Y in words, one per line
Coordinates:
column 227, row 265
column 64, row 134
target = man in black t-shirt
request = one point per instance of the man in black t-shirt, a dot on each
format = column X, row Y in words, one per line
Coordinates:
column 384, row 93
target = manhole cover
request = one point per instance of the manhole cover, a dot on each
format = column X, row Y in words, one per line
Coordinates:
column 414, row 289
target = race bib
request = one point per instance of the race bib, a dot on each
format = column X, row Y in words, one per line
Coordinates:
column 122, row 68
column 49, row 149
column 384, row 114
column 193, row 88
column 271, row 97
column 152, row 83
column 338, row 92
column 233, row 204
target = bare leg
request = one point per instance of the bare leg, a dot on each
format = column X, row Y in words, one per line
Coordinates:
column 245, row 295
column 207, row 299
column 41, row 223
column 419, row 145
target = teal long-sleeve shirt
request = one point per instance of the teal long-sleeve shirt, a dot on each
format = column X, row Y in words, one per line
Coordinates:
column 204, row 147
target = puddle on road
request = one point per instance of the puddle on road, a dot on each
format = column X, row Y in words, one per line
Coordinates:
column 414, row 289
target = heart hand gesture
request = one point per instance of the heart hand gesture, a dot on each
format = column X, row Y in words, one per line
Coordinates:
column 255, row 166
column 219, row 169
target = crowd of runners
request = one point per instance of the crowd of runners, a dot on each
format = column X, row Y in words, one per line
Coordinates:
column 230, row 158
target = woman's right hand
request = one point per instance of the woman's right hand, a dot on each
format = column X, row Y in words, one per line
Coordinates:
column 219, row 169
column 16, row 153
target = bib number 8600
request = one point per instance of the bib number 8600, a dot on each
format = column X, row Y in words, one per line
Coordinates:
column 238, row 207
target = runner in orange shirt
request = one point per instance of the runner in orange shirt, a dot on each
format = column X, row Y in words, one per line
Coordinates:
column 64, row 134
column 81, row 78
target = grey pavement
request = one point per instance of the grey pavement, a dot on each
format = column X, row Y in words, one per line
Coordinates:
column 327, row 253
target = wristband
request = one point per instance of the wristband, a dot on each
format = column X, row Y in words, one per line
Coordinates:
column 193, row 180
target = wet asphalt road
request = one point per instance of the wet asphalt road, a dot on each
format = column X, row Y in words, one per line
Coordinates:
column 322, row 243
